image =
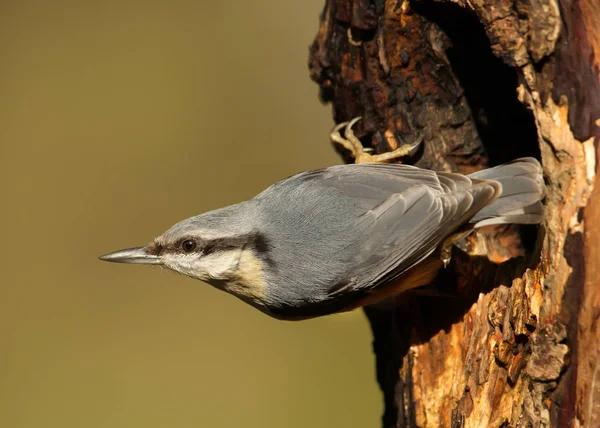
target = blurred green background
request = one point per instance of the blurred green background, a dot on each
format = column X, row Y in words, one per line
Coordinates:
column 117, row 119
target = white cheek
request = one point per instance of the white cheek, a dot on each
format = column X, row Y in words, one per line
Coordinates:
column 219, row 265
column 182, row 263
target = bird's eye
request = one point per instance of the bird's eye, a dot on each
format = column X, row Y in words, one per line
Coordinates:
column 188, row 245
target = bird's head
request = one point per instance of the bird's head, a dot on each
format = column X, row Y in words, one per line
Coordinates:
column 219, row 247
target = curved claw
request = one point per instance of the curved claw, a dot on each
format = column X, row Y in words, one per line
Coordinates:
column 349, row 140
column 350, row 124
column 417, row 143
column 339, row 126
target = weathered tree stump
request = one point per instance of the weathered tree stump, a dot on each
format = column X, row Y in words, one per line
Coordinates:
column 485, row 81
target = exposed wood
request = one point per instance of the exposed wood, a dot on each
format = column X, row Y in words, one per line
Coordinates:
column 485, row 81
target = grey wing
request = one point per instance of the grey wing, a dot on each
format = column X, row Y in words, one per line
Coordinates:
column 409, row 211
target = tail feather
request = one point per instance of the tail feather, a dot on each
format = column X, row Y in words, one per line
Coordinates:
column 522, row 191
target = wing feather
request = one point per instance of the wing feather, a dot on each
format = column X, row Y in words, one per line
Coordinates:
column 421, row 209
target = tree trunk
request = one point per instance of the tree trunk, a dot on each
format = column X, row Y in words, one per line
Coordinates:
column 517, row 341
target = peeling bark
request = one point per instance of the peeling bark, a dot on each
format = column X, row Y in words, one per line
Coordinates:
column 485, row 81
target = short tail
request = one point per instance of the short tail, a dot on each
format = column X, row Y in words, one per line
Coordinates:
column 522, row 191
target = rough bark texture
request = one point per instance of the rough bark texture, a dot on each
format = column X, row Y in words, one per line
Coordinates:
column 485, row 81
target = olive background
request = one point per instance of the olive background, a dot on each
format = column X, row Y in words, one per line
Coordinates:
column 118, row 119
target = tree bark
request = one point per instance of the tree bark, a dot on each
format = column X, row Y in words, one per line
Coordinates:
column 517, row 341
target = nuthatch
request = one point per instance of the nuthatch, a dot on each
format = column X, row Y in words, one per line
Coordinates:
column 346, row 236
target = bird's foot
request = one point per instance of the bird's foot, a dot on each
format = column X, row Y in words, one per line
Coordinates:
column 448, row 243
column 351, row 143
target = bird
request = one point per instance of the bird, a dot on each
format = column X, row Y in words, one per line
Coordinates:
column 335, row 239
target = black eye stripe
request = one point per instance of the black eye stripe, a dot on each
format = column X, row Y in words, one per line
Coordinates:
column 208, row 247
column 219, row 245
column 255, row 240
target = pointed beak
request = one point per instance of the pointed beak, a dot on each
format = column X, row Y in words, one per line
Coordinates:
column 137, row 255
